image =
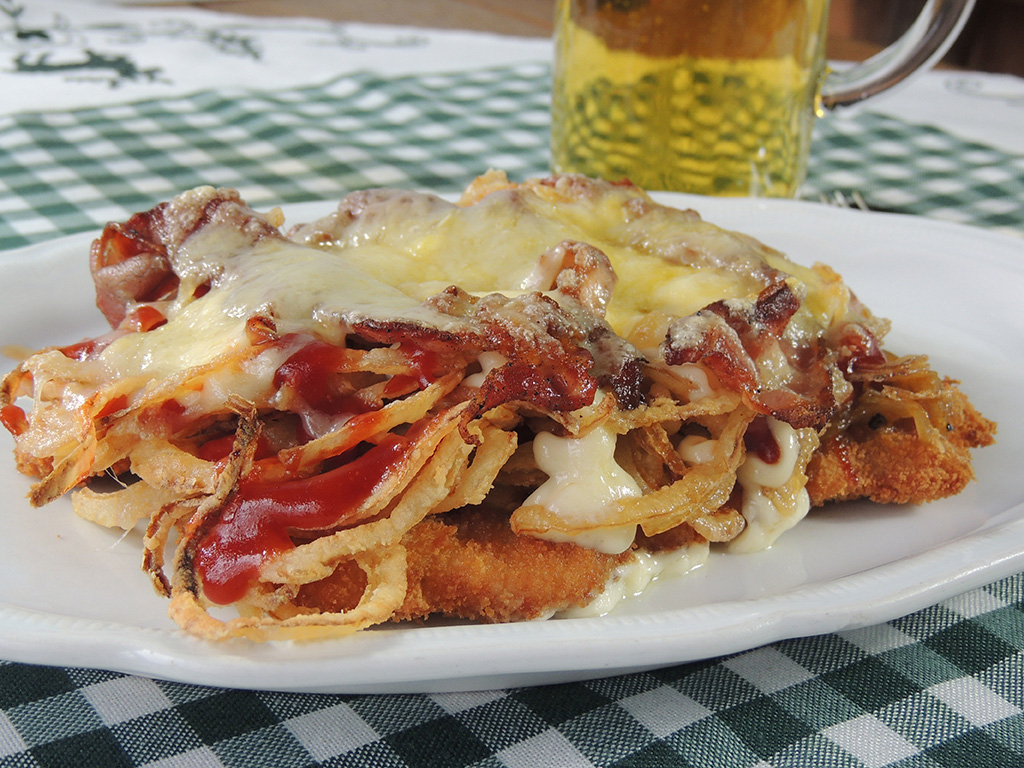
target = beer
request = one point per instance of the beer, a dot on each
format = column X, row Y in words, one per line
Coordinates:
column 714, row 97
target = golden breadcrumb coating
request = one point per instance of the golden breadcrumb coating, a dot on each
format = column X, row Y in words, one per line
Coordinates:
column 894, row 464
column 469, row 564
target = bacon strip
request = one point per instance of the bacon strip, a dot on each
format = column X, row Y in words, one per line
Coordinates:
column 743, row 344
column 557, row 359
column 131, row 262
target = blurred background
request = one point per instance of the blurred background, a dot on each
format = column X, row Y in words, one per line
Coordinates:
column 993, row 40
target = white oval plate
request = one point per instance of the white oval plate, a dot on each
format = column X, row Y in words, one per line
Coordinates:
column 73, row 594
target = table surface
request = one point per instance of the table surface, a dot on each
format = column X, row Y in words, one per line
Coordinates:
column 102, row 118
column 525, row 17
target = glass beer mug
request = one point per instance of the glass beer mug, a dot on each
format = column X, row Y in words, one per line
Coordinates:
column 714, row 97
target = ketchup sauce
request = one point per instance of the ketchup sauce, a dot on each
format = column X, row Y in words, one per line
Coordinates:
column 423, row 363
column 14, row 419
column 308, row 374
column 144, row 318
column 759, row 441
column 84, row 350
column 255, row 521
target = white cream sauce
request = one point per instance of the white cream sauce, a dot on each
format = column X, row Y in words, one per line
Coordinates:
column 584, row 482
column 631, row 579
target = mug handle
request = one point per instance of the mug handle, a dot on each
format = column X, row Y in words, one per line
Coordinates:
column 927, row 40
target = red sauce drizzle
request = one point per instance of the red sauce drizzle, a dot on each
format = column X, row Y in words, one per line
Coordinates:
column 255, row 521
column 113, row 405
column 840, row 448
column 14, row 419
column 164, row 419
column 760, row 441
column 216, row 449
column 308, row 373
column 144, row 318
column 399, row 384
column 423, row 363
column 219, row 448
column 86, row 349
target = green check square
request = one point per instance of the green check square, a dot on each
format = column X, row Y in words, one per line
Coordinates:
column 657, row 754
column 92, row 749
column 23, row 683
column 226, row 715
column 157, row 736
column 711, row 743
column 377, row 754
column 716, row 687
column 502, row 723
column 606, row 735
column 970, row 646
column 1006, row 623
column 870, row 684
column 817, row 704
column 555, row 704
column 920, row 664
column 821, row 653
column 271, row 746
column 285, row 706
column 1009, row 732
column 974, row 750
column 441, row 743
column 765, row 726
column 392, row 714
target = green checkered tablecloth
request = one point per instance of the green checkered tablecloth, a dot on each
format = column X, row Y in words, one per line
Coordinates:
column 941, row 688
column 64, row 172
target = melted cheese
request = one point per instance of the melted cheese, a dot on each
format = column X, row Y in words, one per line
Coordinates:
column 697, row 377
column 666, row 261
column 488, row 362
column 301, row 288
column 404, row 246
column 768, row 518
column 694, row 449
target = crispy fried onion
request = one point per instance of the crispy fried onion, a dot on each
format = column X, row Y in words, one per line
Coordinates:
column 408, row 492
column 83, row 426
column 437, row 447
column 891, row 390
column 255, row 540
column 294, row 456
column 331, row 459
column 675, row 494
column 895, row 391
